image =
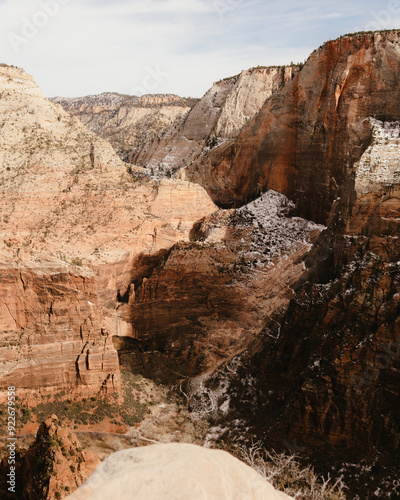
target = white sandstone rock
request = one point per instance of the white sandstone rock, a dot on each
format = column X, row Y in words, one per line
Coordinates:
column 175, row 472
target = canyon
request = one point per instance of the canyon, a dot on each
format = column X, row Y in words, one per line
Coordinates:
column 193, row 126
column 127, row 122
column 248, row 257
column 74, row 220
column 329, row 380
column 216, row 119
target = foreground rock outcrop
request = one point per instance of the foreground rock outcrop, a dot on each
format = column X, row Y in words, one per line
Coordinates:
column 175, row 471
column 53, row 466
column 127, row 122
column 76, row 227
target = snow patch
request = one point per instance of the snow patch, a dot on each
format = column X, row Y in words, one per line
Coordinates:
column 276, row 233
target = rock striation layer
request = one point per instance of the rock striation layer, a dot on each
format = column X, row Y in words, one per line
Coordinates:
column 76, row 227
column 51, row 330
column 214, row 297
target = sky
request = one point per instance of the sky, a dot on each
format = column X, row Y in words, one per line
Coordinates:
column 81, row 47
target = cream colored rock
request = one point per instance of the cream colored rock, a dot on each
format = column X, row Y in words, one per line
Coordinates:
column 252, row 89
column 379, row 166
column 175, row 472
column 66, row 192
column 16, row 79
column 219, row 116
column 126, row 121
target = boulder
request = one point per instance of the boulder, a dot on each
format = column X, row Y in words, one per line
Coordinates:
column 175, row 472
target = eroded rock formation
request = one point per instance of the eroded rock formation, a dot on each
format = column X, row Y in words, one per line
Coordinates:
column 284, row 328
column 74, row 222
column 51, row 330
column 346, row 360
column 218, row 117
column 54, row 466
column 307, row 137
column 214, row 297
column 127, row 122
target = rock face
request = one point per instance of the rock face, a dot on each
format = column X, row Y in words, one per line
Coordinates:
column 53, row 466
column 76, row 228
column 295, row 143
column 330, row 378
column 127, row 122
column 347, row 359
column 284, row 327
column 51, row 330
column 175, row 471
column 219, row 116
column 212, row 298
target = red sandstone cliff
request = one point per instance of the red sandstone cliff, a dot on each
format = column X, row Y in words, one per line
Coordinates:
column 301, row 344
column 53, row 467
column 330, row 378
column 74, row 224
column 308, row 135
column 214, row 297
column 342, row 373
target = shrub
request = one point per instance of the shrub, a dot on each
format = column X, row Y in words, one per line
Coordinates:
column 287, row 474
column 77, row 262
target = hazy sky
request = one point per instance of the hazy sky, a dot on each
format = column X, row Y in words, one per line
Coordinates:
column 80, row 47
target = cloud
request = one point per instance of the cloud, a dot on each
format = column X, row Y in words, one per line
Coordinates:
column 180, row 46
column 157, row 7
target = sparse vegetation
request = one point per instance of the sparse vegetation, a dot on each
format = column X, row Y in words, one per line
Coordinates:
column 357, row 34
column 261, row 67
column 23, row 416
column 287, row 474
column 4, row 65
column 111, row 305
column 77, row 261
column 362, row 33
column 96, row 409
